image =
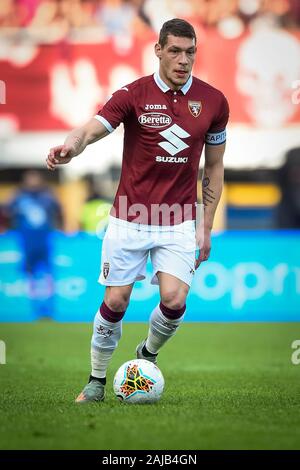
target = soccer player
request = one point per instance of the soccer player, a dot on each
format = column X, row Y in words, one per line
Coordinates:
column 34, row 213
column 168, row 117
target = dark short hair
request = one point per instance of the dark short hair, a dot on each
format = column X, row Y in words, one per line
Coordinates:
column 176, row 27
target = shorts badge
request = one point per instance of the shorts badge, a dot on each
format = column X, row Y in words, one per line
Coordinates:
column 105, row 270
column 195, row 107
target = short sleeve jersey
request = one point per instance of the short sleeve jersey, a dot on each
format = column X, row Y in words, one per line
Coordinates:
column 164, row 134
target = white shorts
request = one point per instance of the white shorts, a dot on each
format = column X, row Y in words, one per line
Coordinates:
column 126, row 246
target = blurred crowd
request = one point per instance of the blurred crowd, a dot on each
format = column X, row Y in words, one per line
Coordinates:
column 139, row 17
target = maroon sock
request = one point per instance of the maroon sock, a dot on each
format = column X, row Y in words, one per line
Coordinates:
column 170, row 313
column 110, row 315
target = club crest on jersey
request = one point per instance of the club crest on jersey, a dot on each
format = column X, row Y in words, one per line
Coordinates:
column 105, row 270
column 195, row 107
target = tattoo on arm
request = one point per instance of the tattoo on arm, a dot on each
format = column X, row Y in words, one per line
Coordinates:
column 205, row 182
column 208, row 197
column 208, row 194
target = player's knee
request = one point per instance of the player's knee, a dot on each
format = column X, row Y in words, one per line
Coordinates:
column 117, row 304
column 173, row 299
column 117, row 300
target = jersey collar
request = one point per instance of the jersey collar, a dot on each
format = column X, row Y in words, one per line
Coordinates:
column 164, row 87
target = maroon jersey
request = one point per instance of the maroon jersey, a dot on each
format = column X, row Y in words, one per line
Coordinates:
column 164, row 134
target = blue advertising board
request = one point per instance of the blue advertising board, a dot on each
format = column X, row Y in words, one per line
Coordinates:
column 250, row 276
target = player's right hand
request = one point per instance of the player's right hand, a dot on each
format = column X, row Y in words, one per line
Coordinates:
column 59, row 155
column 203, row 240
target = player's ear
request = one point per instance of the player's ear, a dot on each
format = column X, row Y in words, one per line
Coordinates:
column 157, row 50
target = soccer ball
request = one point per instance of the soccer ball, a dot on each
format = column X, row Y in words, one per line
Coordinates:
column 138, row 381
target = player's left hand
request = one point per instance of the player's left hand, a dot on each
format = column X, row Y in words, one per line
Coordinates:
column 59, row 155
column 203, row 241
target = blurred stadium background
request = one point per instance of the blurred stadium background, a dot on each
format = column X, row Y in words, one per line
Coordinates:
column 233, row 384
column 61, row 59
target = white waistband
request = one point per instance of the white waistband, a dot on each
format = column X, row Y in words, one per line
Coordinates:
column 187, row 225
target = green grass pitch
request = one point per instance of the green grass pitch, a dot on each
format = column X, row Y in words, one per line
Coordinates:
column 228, row 386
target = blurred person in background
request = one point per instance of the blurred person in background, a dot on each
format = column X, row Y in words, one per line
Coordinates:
column 116, row 16
column 289, row 183
column 27, row 10
column 62, row 15
column 10, row 15
column 95, row 210
column 4, row 221
column 34, row 213
column 122, row 19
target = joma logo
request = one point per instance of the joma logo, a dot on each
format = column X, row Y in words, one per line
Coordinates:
column 150, row 107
